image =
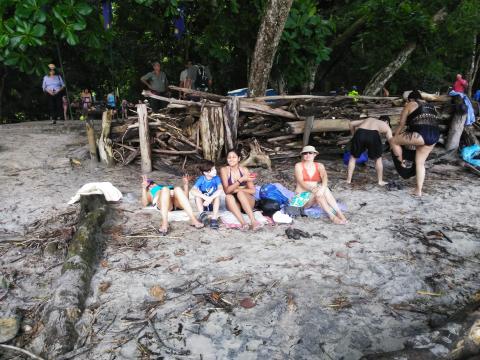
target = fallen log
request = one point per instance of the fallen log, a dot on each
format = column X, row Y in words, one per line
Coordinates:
column 212, row 133
column 180, row 102
column 65, row 306
column 324, row 125
column 257, row 108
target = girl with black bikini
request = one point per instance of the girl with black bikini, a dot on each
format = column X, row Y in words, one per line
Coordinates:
column 418, row 127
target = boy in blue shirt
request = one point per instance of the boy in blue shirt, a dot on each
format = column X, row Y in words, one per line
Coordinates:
column 207, row 190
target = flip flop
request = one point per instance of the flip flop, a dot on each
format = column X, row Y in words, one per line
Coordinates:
column 214, row 224
column 197, row 226
column 203, row 218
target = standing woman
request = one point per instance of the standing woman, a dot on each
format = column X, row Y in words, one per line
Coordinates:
column 418, row 127
column 312, row 186
column 239, row 190
column 53, row 86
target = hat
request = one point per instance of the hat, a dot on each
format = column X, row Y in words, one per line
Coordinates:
column 51, row 66
column 309, row 148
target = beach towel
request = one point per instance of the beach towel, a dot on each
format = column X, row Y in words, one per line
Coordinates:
column 470, row 154
column 110, row 192
column 470, row 113
column 231, row 222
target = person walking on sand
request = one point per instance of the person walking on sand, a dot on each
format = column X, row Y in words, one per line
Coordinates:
column 239, row 190
column 312, row 186
column 366, row 136
column 168, row 198
column 418, row 127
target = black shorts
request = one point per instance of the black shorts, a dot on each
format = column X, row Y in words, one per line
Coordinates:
column 367, row 140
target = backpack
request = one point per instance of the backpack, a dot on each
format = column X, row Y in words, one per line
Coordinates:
column 268, row 206
column 270, row 191
column 201, row 81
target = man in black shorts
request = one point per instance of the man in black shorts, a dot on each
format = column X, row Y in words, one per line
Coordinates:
column 366, row 136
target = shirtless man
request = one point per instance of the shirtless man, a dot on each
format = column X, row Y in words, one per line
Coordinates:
column 366, row 135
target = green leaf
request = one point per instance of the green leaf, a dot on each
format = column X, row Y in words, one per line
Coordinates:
column 39, row 30
column 72, row 38
column 83, row 9
column 3, row 41
column 78, row 26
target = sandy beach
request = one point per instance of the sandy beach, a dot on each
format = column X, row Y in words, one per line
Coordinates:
column 389, row 280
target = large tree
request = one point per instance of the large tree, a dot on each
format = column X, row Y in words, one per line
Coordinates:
column 274, row 18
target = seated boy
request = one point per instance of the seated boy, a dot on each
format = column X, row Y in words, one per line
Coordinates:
column 207, row 190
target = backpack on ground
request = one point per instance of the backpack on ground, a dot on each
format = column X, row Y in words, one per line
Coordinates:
column 270, row 191
column 201, row 80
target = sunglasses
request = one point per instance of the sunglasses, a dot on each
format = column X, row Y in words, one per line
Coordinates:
column 309, row 153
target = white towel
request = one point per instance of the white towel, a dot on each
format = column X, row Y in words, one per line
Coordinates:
column 110, row 192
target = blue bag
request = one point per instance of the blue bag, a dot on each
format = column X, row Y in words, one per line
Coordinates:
column 469, row 154
column 361, row 160
column 270, row 191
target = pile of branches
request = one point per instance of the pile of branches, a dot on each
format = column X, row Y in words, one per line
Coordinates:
column 203, row 125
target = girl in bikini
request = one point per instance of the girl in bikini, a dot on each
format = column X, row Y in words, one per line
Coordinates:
column 312, row 186
column 168, row 198
column 239, row 190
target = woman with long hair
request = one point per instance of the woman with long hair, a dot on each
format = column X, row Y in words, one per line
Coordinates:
column 239, row 189
column 418, row 127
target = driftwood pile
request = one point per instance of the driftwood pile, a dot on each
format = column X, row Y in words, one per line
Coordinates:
column 204, row 125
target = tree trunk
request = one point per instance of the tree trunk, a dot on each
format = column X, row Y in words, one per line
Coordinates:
column 212, row 132
column 472, row 71
column 274, row 18
column 326, row 125
column 377, row 83
column 144, row 135
column 455, row 132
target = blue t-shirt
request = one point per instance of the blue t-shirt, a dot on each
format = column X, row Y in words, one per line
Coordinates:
column 207, row 187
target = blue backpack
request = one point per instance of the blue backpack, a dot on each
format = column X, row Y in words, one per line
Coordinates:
column 270, row 191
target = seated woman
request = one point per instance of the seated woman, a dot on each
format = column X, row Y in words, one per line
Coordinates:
column 418, row 127
column 312, row 186
column 239, row 190
column 167, row 198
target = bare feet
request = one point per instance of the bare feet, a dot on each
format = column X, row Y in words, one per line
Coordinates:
column 163, row 230
column 336, row 220
column 416, row 192
column 197, row 224
column 244, row 227
column 255, row 226
column 382, row 183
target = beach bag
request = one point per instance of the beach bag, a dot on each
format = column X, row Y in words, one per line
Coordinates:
column 361, row 160
column 270, row 191
column 268, row 206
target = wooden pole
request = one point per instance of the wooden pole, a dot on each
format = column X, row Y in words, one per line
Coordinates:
column 105, row 148
column 92, row 145
column 455, row 131
column 326, row 125
column 144, row 136
column 307, row 129
column 230, row 117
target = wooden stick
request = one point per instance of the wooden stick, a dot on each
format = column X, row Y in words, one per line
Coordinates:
column 175, row 152
column 14, row 348
column 181, row 102
column 144, row 135
column 307, row 129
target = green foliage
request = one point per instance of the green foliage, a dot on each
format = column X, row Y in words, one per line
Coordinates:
column 302, row 44
column 28, row 27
